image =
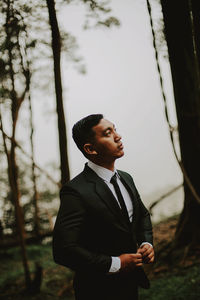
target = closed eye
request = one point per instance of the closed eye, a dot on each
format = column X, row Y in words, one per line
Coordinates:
column 108, row 133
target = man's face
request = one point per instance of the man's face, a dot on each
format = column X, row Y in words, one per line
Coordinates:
column 107, row 141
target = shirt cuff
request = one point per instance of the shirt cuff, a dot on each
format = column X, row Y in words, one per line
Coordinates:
column 144, row 243
column 115, row 265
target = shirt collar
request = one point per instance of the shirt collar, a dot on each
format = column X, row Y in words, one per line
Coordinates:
column 102, row 172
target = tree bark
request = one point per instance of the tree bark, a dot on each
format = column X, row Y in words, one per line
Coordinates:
column 35, row 192
column 181, row 36
column 11, row 156
column 56, row 48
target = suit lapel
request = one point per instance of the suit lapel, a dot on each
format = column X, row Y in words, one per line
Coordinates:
column 104, row 194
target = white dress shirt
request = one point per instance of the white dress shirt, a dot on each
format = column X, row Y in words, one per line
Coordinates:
column 106, row 175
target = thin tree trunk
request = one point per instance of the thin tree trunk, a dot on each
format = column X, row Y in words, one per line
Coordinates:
column 12, row 166
column 19, row 216
column 15, row 198
column 56, row 48
column 35, row 192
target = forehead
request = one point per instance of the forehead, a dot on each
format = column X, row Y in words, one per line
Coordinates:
column 103, row 125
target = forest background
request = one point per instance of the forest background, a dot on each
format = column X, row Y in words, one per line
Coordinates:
column 133, row 62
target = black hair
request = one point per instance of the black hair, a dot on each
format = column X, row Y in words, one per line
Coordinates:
column 82, row 132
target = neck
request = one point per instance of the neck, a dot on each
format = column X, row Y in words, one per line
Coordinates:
column 107, row 165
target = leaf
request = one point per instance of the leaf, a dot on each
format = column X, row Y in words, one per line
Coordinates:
column 111, row 21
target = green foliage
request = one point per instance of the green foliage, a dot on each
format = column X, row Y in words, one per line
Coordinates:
column 181, row 286
column 54, row 277
column 185, row 284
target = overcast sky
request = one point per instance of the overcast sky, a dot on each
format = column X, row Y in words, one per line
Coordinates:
column 122, row 83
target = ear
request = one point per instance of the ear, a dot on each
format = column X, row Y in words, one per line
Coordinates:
column 89, row 149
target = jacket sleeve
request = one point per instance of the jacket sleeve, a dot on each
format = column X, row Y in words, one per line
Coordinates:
column 67, row 248
column 144, row 230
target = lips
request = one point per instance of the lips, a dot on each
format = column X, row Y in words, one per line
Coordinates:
column 121, row 147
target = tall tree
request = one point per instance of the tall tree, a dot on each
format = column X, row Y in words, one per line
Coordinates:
column 182, row 31
column 56, row 48
column 95, row 7
column 15, row 73
column 11, row 48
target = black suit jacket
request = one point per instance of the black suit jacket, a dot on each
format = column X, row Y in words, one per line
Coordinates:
column 90, row 228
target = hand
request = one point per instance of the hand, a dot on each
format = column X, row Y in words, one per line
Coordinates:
column 147, row 253
column 130, row 261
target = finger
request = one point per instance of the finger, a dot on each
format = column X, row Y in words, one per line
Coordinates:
column 139, row 265
column 149, row 259
column 137, row 262
column 141, row 250
column 137, row 255
column 146, row 246
column 151, row 255
column 146, row 254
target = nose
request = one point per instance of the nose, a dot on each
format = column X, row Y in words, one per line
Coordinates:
column 117, row 136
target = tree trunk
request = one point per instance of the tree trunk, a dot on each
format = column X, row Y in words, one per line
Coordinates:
column 18, row 213
column 56, row 48
column 15, row 198
column 35, row 192
column 184, row 60
column 11, row 157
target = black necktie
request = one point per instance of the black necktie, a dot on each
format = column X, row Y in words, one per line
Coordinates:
column 119, row 196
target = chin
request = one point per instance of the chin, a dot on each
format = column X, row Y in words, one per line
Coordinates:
column 120, row 154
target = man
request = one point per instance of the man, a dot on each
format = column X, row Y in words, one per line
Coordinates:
column 103, row 231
